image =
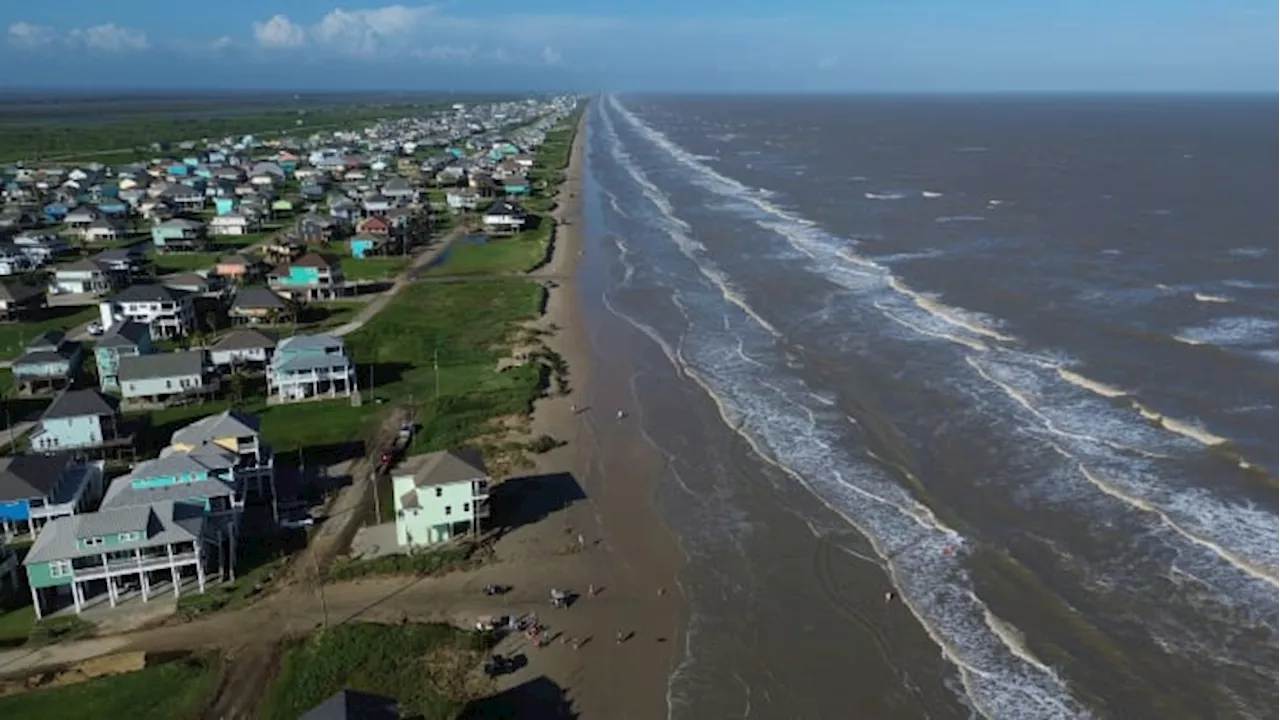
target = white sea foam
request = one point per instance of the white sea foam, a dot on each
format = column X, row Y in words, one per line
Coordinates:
column 958, row 218
column 769, row 411
column 884, row 195
column 1207, row 298
column 930, row 194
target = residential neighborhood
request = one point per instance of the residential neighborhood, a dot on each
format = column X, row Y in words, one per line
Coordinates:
column 149, row 290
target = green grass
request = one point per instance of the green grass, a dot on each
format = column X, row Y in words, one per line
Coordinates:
column 59, row 628
column 178, row 690
column 430, row 562
column 230, row 595
column 429, row 669
column 377, row 268
column 15, row 336
column 37, row 138
column 519, row 253
column 16, row 624
column 174, row 262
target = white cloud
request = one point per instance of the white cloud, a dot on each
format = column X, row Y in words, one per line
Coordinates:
column 222, row 43
column 550, row 55
column 279, row 32
column 110, row 38
column 26, row 35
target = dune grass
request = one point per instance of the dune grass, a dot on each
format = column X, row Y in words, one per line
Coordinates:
column 178, row 690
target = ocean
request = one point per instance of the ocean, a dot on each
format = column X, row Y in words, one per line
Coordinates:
column 1011, row 359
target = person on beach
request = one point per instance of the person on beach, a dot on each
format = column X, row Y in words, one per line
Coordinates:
column 621, row 637
column 582, row 542
column 890, row 596
column 621, row 414
column 591, row 590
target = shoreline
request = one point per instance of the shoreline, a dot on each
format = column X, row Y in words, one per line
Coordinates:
column 631, row 553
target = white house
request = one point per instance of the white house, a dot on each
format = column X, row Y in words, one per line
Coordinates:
column 168, row 312
column 231, row 224
column 504, row 217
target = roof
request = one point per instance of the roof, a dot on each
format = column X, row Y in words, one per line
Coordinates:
column 443, row 467
column 81, row 403
column 309, row 342
column 149, row 292
column 48, row 340
column 15, row 292
column 142, row 367
column 502, row 207
column 127, row 333
column 246, row 339
column 202, row 460
column 164, row 522
column 257, row 297
column 228, row 423
column 81, row 265
column 313, row 259
column 30, row 476
column 354, row 705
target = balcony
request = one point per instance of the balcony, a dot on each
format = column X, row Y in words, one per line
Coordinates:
column 133, row 565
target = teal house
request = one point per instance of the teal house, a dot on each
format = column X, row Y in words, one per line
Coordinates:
column 225, row 205
column 171, row 520
column 78, row 419
column 178, row 170
column 363, row 246
column 439, row 496
column 125, row 338
column 312, row 277
column 515, row 186
column 179, row 234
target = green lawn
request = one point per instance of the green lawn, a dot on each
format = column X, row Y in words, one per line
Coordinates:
column 175, row 262
column 379, row 268
column 432, row 562
column 498, row 256
column 178, row 690
column 15, row 625
column 15, row 336
column 429, row 669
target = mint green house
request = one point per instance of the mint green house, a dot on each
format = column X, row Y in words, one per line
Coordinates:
column 439, row 496
column 171, row 519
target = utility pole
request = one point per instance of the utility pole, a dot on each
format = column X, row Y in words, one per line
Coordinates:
column 435, row 365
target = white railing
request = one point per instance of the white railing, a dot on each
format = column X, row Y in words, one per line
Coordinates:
column 133, row 565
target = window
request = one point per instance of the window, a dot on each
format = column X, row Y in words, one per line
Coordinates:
column 439, row 492
column 448, row 509
column 59, row 568
column 466, row 507
column 91, row 542
column 125, row 537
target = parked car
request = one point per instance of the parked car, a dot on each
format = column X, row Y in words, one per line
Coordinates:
column 95, row 328
column 297, row 523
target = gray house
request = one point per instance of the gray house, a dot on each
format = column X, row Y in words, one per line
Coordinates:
column 246, row 346
column 35, row 489
column 49, row 363
column 125, row 338
column 164, row 376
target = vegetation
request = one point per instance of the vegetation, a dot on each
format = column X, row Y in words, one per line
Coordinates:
column 174, row 262
column 519, row 253
column 16, row 624
column 15, row 336
column 230, row 595
column 429, row 669
column 59, row 628
column 436, row 561
column 130, row 137
column 374, row 268
column 178, row 690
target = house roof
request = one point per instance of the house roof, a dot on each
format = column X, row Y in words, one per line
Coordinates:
column 502, row 207
column 180, row 224
column 149, row 292
column 185, row 280
column 164, row 522
column 316, row 260
column 204, row 459
column 81, row 265
column 309, row 342
column 443, row 467
column 228, row 423
column 50, row 340
column 30, row 476
column 257, row 298
column 160, row 365
column 245, row 339
column 353, row 705
column 14, row 292
column 126, row 333
column 80, row 403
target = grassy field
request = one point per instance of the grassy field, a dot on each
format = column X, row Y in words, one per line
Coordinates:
column 128, row 137
column 377, row 268
column 178, row 690
column 429, row 669
column 16, row 624
column 174, row 262
column 15, row 336
column 433, row 562
column 519, row 253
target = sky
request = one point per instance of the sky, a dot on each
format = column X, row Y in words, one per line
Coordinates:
column 655, row 45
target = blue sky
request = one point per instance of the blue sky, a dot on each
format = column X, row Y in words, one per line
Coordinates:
column 743, row 45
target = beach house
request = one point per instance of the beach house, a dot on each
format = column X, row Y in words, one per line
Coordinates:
column 50, row 362
column 123, row 338
column 504, row 217
column 166, row 311
column 165, row 376
column 38, row 488
column 439, row 496
column 78, row 419
column 310, row 277
column 311, row 366
column 179, row 234
column 170, row 519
